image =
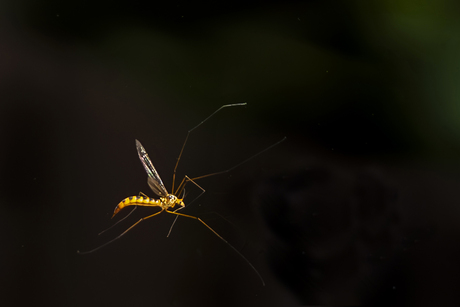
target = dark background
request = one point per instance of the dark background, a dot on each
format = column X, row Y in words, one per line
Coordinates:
column 360, row 205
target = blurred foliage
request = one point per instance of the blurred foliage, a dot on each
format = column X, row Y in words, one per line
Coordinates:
column 358, row 77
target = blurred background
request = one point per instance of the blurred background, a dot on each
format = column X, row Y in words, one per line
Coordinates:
column 360, row 204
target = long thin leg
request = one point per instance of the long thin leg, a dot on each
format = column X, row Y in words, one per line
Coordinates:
column 187, row 179
column 175, row 219
column 188, row 133
column 210, row 212
column 119, row 236
column 117, row 222
column 174, row 222
column 183, row 189
column 209, row 227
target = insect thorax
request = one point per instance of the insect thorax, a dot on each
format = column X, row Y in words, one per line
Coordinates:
column 170, row 201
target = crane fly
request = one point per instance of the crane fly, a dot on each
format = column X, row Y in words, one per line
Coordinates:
column 168, row 201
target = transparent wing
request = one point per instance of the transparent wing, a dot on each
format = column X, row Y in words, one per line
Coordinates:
column 157, row 187
column 154, row 179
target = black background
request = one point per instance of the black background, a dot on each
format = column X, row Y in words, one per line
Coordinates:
column 359, row 205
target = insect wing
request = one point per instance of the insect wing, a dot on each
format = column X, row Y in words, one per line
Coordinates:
column 154, row 179
column 156, row 187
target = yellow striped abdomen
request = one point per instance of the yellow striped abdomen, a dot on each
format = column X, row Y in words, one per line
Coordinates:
column 136, row 200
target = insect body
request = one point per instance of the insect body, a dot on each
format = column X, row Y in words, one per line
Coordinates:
column 168, row 201
column 165, row 201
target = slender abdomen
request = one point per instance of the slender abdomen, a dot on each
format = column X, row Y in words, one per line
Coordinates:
column 135, row 200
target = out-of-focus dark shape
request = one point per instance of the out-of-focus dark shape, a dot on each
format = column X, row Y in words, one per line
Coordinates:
column 334, row 236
